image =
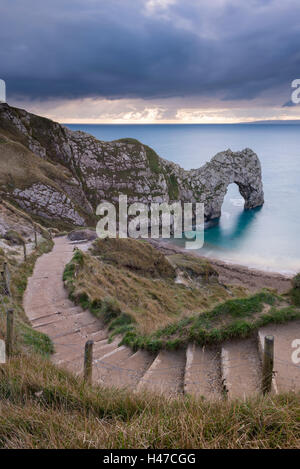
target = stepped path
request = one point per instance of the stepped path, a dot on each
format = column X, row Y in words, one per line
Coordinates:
column 50, row 311
column 202, row 372
column 286, row 358
column 240, row 364
column 232, row 369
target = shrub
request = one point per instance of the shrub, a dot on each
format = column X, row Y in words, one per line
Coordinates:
column 296, row 281
column 295, row 291
column 14, row 237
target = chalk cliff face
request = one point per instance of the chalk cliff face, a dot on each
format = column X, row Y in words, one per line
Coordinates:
column 67, row 174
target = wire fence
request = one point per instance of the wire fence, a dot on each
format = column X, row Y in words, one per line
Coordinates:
column 172, row 376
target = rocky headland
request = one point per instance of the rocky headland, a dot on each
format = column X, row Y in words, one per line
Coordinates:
column 60, row 175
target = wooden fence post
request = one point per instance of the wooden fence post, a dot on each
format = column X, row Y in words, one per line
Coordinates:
column 6, row 276
column 9, row 333
column 88, row 361
column 268, row 364
column 25, row 252
column 35, row 238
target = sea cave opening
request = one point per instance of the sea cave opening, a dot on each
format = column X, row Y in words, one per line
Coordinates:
column 233, row 203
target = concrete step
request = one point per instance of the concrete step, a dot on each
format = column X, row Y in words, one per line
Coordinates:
column 98, row 335
column 74, row 366
column 137, row 365
column 241, row 368
column 45, row 308
column 73, row 349
column 102, row 347
column 68, row 351
column 61, row 313
column 287, row 373
column 202, row 372
column 108, row 368
column 165, row 375
column 132, row 370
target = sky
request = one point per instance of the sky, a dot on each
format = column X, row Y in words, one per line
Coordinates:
column 151, row 61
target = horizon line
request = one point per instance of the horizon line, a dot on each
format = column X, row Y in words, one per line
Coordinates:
column 255, row 122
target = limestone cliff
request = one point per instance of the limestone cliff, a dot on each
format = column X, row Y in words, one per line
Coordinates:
column 56, row 173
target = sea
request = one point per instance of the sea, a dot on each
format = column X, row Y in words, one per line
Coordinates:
column 267, row 238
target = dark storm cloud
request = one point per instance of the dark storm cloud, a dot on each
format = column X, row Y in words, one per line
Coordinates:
column 124, row 48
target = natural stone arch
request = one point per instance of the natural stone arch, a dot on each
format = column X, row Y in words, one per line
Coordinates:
column 242, row 168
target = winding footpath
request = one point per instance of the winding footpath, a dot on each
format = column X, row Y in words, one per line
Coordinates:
column 233, row 369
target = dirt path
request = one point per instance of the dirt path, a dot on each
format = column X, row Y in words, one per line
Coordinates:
column 50, row 311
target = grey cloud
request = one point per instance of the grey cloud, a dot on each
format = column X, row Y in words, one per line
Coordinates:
column 113, row 49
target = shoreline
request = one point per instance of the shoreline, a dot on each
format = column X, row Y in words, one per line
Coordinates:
column 234, row 274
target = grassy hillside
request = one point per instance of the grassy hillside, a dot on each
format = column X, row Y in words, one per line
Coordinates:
column 135, row 290
column 43, row 407
column 21, row 168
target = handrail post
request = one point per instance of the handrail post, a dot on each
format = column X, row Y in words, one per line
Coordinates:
column 88, row 361
column 268, row 364
column 9, row 333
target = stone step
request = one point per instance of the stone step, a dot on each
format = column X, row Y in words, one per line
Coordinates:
column 241, row 368
column 85, row 319
column 45, row 308
column 74, row 366
column 166, row 374
column 108, row 368
column 136, row 366
column 51, row 321
column 61, row 313
column 58, row 324
column 98, row 335
column 102, row 347
column 287, row 373
column 202, row 372
column 65, row 352
column 73, row 349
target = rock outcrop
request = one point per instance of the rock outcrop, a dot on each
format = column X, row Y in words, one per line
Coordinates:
column 76, row 172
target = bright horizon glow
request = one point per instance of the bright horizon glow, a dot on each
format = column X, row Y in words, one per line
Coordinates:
column 164, row 111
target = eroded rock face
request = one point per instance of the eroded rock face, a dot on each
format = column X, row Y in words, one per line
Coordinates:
column 44, row 201
column 102, row 170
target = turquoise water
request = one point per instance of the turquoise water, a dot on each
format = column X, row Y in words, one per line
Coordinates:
column 266, row 238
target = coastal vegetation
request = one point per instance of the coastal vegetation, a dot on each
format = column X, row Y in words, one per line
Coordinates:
column 295, row 290
column 146, row 299
column 132, row 286
column 45, row 407
column 134, row 289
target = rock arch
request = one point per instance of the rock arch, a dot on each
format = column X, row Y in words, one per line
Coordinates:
column 242, row 168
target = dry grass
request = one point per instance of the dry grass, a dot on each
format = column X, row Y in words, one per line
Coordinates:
column 137, row 256
column 19, row 167
column 43, row 407
column 142, row 282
